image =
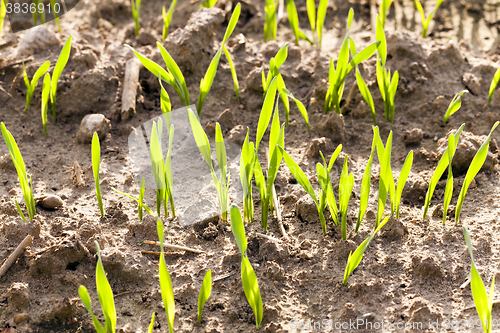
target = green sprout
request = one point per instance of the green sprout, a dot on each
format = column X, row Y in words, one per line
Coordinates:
column 355, row 258
column 448, row 192
column 386, row 85
column 208, row 79
column 338, row 75
column 484, row 304
column 167, row 18
column 136, row 11
column 403, row 176
column 317, row 24
column 151, row 325
column 346, row 184
column 386, row 181
column 365, row 183
column 34, row 82
column 45, row 101
column 140, row 202
column 176, row 73
column 96, row 160
column 475, row 166
column 60, row 64
column 167, row 292
column 38, row 10
column 105, row 298
column 274, row 66
column 56, row 16
column 222, row 184
column 248, row 277
column 426, row 21
column 208, row 3
column 440, row 169
column 384, row 7
column 26, row 184
column 247, row 161
column 332, row 205
column 270, row 26
column 165, row 104
column 293, row 19
column 493, row 85
column 454, row 106
column 3, row 12
column 205, row 290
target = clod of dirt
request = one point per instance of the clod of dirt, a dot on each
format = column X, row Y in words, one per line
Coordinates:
column 6, row 163
column 86, row 58
column 271, row 251
column 274, row 271
column 330, row 126
column 18, row 296
column 413, row 137
column 324, row 145
column 93, row 123
column 210, row 129
column 472, row 83
column 124, row 264
column 16, row 229
column 146, row 38
column 61, row 310
column 112, row 10
column 342, row 248
column 415, row 190
column 146, row 229
column 306, row 209
column 349, row 312
column 439, row 103
column 192, row 46
column 361, row 110
column 466, row 150
column 394, row 229
column 37, row 39
column 423, row 312
column 404, row 44
column 51, row 202
column 237, row 135
column 20, row 317
column 226, row 120
column 254, row 80
column 427, row 265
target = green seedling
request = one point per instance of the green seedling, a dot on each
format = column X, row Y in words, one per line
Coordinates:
column 454, row 106
column 167, row 292
column 332, row 205
column 167, row 18
column 403, row 176
column 426, row 21
column 37, row 10
column 208, row 79
column 270, row 26
column 356, row 257
column 363, row 88
column 222, row 184
column 34, row 82
column 247, row 161
column 338, row 75
column 274, row 65
column 152, row 324
column 45, row 101
column 208, row 3
column 60, row 64
column 346, row 184
column 448, row 192
column 475, row 166
column 26, row 184
column 136, row 12
column 162, row 170
column 493, row 85
column 484, row 304
column 293, row 19
column 206, row 289
column 165, row 104
column 96, row 161
column 440, row 169
column 105, row 298
column 3, row 13
column 365, row 183
column 140, row 202
column 248, row 277
column 56, row 16
column 386, row 181
column 384, row 7
column 317, row 21
column 386, row 85
column 175, row 71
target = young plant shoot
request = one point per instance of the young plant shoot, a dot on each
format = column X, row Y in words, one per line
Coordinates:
column 167, row 292
column 60, row 64
column 454, row 106
column 475, row 166
column 338, row 75
column 26, row 184
column 365, row 183
column 356, row 257
column 384, row 7
column 448, row 192
column 45, row 101
column 222, row 184
column 270, row 26
column 167, row 18
column 293, row 19
column 247, row 161
column 493, row 85
column 426, row 21
column 386, row 85
column 317, row 23
column 136, row 12
column 346, row 184
column 105, row 298
column 96, row 161
column 386, row 181
column 56, row 16
column 208, row 3
column 140, row 202
column 34, row 82
column 440, row 169
column 205, row 290
column 175, row 71
column 403, row 176
column 3, row 13
column 483, row 302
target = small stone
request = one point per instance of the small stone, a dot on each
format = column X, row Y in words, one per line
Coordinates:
column 306, row 209
column 18, row 296
column 394, row 229
column 324, row 145
column 237, row 135
column 330, row 126
column 145, row 38
column 439, row 103
column 51, row 202
column 20, row 317
column 226, row 120
column 37, row 39
column 13, row 192
column 93, row 123
column 413, row 137
column 254, row 80
column 210, row 129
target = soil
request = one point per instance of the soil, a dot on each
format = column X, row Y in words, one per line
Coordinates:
column 411, row 273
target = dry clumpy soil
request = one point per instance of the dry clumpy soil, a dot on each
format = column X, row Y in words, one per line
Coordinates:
column 412, row 273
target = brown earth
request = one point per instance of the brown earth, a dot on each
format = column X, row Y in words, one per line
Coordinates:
column 412, row 273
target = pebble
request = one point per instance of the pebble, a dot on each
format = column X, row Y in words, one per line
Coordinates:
column 226, row 120
column 51, row 202
column 413, row 137
column 37, row 39
column 20, row 317
column 93, row 123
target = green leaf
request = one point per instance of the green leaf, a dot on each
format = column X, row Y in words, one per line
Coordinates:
column 251, row 288
column 232, row 23
column 448, row 192
column 176, row 72
column 311, row 13
column 380, row 36
column 141, row 198
column 403, row 176
column 238, row 229
column 167, row 292
column 84, row 296
column 454, row 106
column 300, row 106
column 365, row 92
column 220, row 151
column 206, row 289
column 200, row 137
column 207, row 80
column 493, row 85
column 45, row 101
column 266, row 112
column 34, row 82
column 383, row 10
column 151, row 325
column 281, row 56
column 329, row 194
column 96, row 160
column 364, row 54
column 474, row 168
column 293, row 19
column 346, row 184
column 167, row 18
column 105, row 294
column 350, row 18
column 60, row 65
column 365, row 183
column 165, row 104
column 233, row 71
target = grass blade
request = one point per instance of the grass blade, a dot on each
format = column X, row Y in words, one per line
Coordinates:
column 454, row 106
column 205, row 291
column 493, row 85
column 385, row 176
column 300, row 106
column 311, row 13
column 332, row 206
column 141, row 198
column 365, row 183
column 165, row 104
column 220, row 150
column 266, row 112
column 3, row 13
column 238, row 229
column 167, row 18
column 84, row 296
column 321, row 19
column 293, row 19
column 176, row 73
column 60, row 65
column 384, row 7
column 96, row 160
column 475, row 166
column 448, row 192
column 167, row 292
column 232, row 23
column 34, row 82
column 251, row 288
column 151, row 325
column 365, row 92
column 207, row 80
column 299, row 175
column 380, row 36
column 233, row 71
column 403, row 176
column 45, row 101
column 105, row 294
